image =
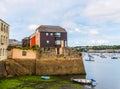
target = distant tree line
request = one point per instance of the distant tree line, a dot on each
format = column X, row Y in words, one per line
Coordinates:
column 101, row 47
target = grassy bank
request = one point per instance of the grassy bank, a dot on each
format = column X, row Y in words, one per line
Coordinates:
column 35, row 82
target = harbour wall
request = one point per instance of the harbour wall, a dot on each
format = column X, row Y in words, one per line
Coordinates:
column 18, row 67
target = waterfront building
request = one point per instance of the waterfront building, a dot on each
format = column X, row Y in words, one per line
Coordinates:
column 4, row 36
column 47, row 37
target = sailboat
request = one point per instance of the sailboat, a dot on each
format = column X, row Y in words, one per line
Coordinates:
column 102, row 56
column 114, row 57
column 90, row 58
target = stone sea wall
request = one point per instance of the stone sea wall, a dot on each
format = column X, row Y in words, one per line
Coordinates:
column 16, row 67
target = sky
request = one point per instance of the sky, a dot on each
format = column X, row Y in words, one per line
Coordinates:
column 88, row 22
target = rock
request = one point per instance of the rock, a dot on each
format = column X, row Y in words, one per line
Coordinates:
column 19, row 67
column 3, row 72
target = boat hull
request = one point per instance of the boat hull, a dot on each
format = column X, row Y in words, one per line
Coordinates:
column 82, row 81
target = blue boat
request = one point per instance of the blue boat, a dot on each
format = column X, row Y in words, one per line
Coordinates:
column 45, row 77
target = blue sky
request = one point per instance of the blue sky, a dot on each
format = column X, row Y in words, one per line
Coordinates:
column 88, row 22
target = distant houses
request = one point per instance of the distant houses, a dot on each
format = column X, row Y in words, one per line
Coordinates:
column 47, row 37
column 4, row 36
column 14, row 42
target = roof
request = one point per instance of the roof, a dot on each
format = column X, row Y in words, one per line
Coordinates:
column 49, row 28
column 26, row 38
column 4, row 22
column 32, row 35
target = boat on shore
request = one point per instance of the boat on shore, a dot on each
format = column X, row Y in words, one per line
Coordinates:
column 81, row 81
column 45, row 77
column 91, row 82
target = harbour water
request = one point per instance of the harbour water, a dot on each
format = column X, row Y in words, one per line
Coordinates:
column 105, row 71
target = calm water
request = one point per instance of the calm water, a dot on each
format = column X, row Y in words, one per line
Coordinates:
column 105, row 71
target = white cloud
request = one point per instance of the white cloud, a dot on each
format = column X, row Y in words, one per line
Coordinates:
column 78, row 30
column 93, row 32
column 2, row 9
column 102, row 10
column 32, row 27
column 99, row 42
column 15, row 2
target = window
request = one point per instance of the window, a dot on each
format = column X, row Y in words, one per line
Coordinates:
column 7, row 29
column 1, row 40
column 51, row 34
column 1, row 26
column 3, row 52
column 57, row 42
column 47, row 34
column 4, row 28
column 0, row 52
column 58, row 34
column 47, row 41
column 4, row 40
column 24, row 53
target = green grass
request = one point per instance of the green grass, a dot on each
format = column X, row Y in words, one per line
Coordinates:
column 35, row 82
column 9, row 83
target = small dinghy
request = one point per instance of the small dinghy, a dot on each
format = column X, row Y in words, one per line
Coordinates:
column 45, row 77
column 91, row 82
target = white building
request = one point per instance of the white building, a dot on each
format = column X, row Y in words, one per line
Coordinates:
column 4, row 36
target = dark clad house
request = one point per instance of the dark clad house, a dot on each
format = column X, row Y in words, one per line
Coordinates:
column 51, row 37
column 26, row 42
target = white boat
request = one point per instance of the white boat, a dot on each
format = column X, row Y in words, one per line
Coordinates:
column 91, row 82
column 90, row 58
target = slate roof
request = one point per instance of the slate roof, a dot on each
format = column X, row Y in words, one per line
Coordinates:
column 49, row 28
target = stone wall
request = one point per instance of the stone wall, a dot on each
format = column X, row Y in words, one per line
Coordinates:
column 59, row 67
column 10, row 68
column 3, row 72
column 18, row 54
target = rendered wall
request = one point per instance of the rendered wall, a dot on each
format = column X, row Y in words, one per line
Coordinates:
column 17, row 54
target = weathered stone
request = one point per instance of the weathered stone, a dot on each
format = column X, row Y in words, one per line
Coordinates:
column 59, row 67
column 20, row 67
column 3, row 72
column 10, row 68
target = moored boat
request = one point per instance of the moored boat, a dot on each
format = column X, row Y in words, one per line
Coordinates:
column 91, row 82
column 81, row 81
column 89, row 60
column 114, row 57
